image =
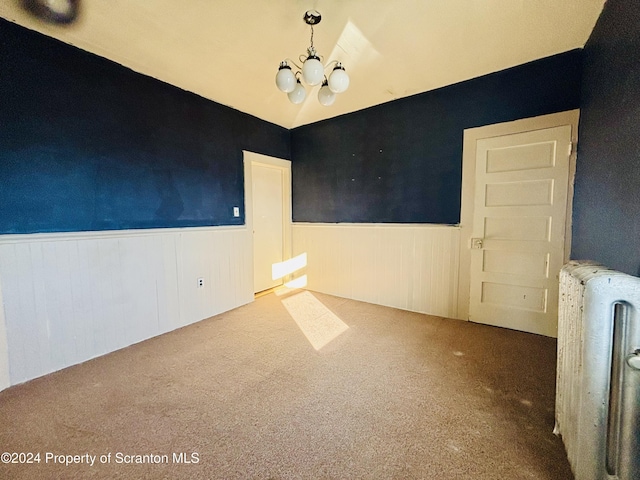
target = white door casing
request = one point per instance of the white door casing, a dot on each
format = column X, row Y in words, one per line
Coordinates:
column 267, row 214
column 516, row 212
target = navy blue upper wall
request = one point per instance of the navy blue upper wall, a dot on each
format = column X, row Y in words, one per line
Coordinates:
column 402, row 161
column 606, row 214
column 86, row 144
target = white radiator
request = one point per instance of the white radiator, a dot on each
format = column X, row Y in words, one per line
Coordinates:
column 598, row 372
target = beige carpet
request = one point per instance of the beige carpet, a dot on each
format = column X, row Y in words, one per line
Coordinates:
column 393, row 395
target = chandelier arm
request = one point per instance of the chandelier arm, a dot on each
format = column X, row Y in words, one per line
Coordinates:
column 294, row 63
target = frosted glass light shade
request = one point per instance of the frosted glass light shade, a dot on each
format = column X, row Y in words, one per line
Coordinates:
column 338, row 80
column 298, row 94
column 325, row 96
column 285, row 79
column 59, row 7
column 312, row 71
column 54, row 11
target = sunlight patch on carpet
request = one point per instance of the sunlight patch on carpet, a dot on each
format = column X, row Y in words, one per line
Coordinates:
column 319, row 324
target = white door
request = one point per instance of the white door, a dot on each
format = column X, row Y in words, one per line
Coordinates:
column 5, row 380
column 268, row 225
column 518, row 233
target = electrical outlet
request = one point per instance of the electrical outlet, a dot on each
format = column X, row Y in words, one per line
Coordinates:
column 200, row 282
column 236, row 211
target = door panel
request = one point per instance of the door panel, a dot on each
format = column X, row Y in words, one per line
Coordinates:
column 268, row 225
column 516, row 263
column 513, row 194
column 521, row 193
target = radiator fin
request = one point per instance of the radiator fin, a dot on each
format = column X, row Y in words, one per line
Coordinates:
column 589, row 293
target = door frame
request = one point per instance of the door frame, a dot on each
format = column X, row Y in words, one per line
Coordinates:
column 250, row 159
column 471, row 136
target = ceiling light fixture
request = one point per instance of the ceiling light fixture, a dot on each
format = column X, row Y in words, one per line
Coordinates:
column 53, row 11
column 312, row 72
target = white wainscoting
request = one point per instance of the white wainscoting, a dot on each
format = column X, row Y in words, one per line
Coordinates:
column 412, row 267
column 71, row 297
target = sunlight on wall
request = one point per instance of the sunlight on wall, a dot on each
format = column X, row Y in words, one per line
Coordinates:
column 281, row 269
column 319, row 324
column 292, row 286
column 297, row 283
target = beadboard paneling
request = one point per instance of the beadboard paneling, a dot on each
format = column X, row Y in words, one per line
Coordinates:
column 71, row 297
column 412, row 267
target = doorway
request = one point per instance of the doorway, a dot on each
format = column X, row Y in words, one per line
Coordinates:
column 268, row 216
column 515, row 221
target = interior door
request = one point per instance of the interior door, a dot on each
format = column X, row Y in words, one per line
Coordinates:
column 518, row 238
column 268, row 224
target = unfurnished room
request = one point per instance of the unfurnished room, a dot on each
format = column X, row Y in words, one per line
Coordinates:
column 320, row 239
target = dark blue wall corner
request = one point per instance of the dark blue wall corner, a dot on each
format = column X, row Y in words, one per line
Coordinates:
column 606, row 213
column 86, row 144
column 402, row 161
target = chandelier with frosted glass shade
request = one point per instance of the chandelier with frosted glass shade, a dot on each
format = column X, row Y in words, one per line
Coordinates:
column 312, row 73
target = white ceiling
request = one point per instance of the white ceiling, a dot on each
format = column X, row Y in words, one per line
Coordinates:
column 229, row 50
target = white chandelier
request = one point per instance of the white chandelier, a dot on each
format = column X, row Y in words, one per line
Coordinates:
column 312, row 72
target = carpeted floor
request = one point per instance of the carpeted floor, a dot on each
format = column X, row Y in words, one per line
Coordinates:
column 246, row 395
